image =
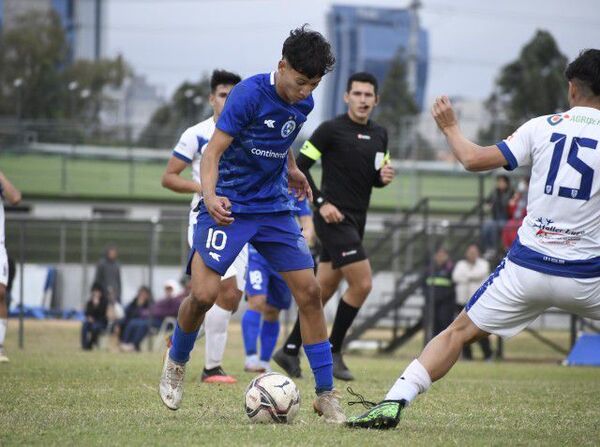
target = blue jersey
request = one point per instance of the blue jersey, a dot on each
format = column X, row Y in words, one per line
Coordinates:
column 253, row 169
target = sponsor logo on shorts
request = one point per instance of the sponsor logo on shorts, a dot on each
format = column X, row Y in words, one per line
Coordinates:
column 349, row 253
column 215, row 256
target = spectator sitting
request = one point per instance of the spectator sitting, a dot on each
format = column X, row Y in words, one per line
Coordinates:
column 138, row 328
column 468, row 275
column 498, row 206
column 95, row 318
column 135, row 309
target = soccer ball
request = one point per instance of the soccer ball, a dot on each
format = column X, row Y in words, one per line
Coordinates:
column 272, row 398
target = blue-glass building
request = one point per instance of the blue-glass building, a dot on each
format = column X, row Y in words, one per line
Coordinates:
column 368, row 39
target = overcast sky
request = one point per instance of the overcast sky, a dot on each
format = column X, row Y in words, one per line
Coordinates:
column 176, row 40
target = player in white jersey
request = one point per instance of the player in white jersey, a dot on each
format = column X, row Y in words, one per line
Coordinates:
column 188, row 151
column 554, row 262
column 11, row 195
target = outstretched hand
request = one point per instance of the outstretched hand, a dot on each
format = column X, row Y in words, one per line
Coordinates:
column 443, row 113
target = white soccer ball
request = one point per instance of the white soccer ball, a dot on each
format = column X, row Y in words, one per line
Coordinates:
column 272, row 398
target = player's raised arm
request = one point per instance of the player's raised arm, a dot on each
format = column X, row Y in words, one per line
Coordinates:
column 8, row 191
column 472, row 156
column 217, row 207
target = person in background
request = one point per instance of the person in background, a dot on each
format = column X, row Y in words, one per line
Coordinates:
column 153, row 317
column 12, row 196
column 135, row 309
column 497, row 203
column 517, row 210
column 439, row 284
column 95, row 321
column 108, row 273
column 468, row 275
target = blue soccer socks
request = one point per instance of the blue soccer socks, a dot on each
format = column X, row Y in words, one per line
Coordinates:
column 321, row 362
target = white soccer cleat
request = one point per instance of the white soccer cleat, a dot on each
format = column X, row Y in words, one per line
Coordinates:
column 170, row 387
column 253, row 365
column 3, row 356
column 327, row 404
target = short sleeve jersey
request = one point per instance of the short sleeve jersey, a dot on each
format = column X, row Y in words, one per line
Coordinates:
column 563, row 208
column 253, row 169
column 352, row 155
column 189, row 149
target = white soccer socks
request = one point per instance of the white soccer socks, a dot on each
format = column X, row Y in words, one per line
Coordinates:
column 215, row 327
column 414, row 380
column 3, row 324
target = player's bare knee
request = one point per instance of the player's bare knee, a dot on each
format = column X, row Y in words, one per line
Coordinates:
column 310, row 297
column 462, row 331
column 362, row 286
column 270, row 313
column 256, row 302
column 202, row 299
column 232, row 300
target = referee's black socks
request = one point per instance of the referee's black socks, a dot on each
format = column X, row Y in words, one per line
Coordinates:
column 294, row 341
column 343, row 320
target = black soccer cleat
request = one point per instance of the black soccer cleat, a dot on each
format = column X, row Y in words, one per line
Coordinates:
column 289, row 363
column 340, row 370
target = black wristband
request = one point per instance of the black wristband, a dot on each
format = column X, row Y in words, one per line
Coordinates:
column 319, row 202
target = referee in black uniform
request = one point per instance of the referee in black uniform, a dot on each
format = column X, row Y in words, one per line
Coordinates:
column 355, row 159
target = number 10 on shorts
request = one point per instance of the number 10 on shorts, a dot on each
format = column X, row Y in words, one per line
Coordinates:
column 216, row 239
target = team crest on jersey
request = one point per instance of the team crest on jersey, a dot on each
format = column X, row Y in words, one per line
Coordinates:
column 555, row 119
column 288, row 128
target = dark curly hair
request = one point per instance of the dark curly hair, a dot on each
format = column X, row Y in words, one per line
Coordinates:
column 586, row 70
column 308, row 52
column 222, row 77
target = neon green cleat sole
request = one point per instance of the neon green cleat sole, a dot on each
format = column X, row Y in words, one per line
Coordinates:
column 382, row 416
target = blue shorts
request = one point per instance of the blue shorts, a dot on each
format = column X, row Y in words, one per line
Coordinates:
column 261, row 279
column 277, row 237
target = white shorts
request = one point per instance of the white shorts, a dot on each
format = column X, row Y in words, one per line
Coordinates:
column 514, row 296
column 239, row 266
column 3, row 266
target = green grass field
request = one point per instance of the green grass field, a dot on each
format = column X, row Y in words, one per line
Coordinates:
column 47, row 176
column 52, row 393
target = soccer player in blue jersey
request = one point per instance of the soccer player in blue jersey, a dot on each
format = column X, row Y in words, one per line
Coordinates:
column 246, row 171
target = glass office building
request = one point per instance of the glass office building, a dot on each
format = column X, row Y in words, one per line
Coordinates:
column 368, row 39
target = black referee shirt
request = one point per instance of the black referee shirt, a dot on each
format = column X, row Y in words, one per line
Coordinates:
column 352, row 157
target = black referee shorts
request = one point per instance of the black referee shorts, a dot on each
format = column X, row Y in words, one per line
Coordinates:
column 341, row 242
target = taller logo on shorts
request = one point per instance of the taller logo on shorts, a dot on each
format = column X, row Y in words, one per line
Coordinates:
column 288, row 128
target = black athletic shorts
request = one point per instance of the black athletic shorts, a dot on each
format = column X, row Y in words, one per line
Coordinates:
column 341, row 242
